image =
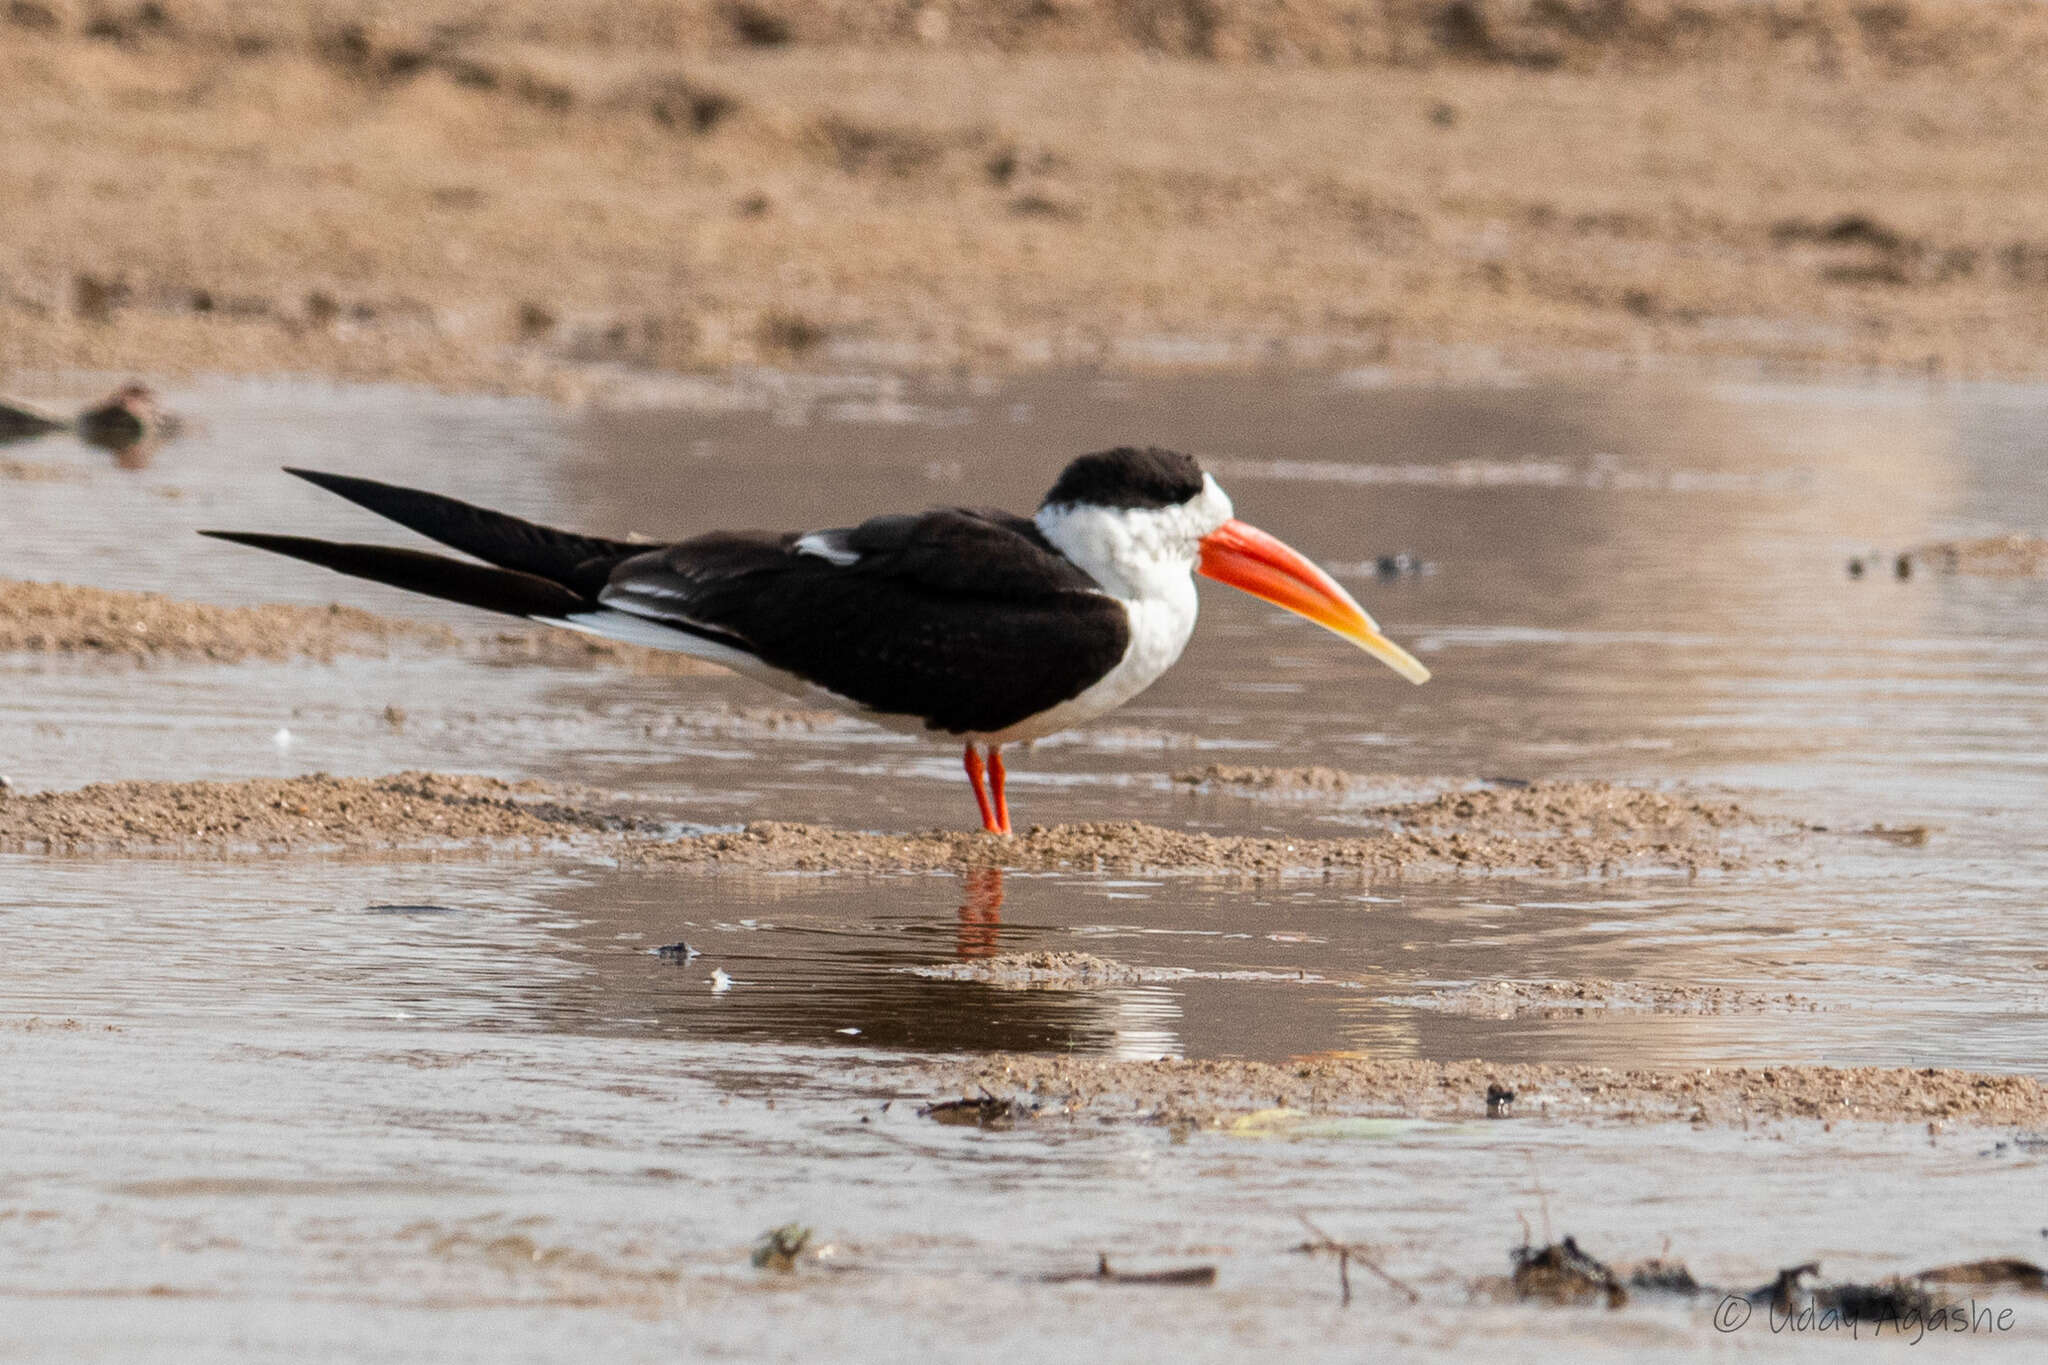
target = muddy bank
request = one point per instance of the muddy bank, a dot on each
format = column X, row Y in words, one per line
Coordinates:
column 580, row 200
column 1278, row 1099
column 1567, row 827
column 1563, row 999
column 59, row 618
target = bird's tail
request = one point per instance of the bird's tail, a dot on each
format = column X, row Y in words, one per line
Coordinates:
column 528, row 570
column 453, row 580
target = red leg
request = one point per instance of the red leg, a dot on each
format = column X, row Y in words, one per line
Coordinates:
column 978, row 775
column 997, row 778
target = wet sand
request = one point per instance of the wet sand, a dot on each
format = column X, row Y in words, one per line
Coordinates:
column 582, row 200
column 1581, row 827
column 419, row 810
column 58, row 618
column 1292, row 1098
column 1554, row 999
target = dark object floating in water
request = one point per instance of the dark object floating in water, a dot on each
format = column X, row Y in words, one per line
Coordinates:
column 130, row 423
column 676, row 952
column 1664, row 1277
column 1564, row 1273
column 1401, row 565
column 413, row 909
column 981, row 1111
column 1397, row 565
column 25, row 424
column 1194, row 1276
column 1500, row 1101
column 779, row 1247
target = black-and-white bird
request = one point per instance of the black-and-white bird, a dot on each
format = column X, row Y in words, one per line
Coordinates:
column 987, row 627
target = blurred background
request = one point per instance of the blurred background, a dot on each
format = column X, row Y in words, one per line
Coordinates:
column 580, row 196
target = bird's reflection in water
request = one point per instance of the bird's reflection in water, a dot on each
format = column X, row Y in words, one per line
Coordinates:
column 981, row 912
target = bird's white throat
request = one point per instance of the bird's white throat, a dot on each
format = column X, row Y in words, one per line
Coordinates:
column 1137, row 553
column 1144, row 557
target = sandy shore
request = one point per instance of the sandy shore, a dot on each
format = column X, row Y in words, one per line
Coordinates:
column 1553, row 827
column 1293, row 1098
column 579, row 199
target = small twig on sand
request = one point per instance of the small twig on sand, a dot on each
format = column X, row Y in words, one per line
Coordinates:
column 1346, row 1253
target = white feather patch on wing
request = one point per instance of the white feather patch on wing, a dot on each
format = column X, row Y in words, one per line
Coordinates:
column 829, row 546
column 629, row 629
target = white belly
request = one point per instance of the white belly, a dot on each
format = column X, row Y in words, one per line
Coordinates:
column 1160, row 627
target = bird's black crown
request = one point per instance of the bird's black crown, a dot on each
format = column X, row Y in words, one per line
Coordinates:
column 1128, row 477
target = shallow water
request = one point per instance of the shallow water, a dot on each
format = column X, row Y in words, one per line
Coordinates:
column 1645, row 584
column 1637, row 582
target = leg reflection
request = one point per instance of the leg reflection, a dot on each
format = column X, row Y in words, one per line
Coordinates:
column 981, row 912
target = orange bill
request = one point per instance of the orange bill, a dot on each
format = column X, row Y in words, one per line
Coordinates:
column 1247, row 558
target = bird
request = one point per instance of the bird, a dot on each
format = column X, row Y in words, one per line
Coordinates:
column 130, row 422
column 980, row 626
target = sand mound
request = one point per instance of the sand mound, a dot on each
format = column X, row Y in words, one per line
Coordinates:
column 59, row 618
column 1261, row 1098
column 1556, row 999
column 1428, row 838
column 1468, row 844
column 408, row 809
column 1043, row 970
column 56, row 618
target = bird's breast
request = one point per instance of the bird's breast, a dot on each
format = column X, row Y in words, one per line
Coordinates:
column 1160, row 625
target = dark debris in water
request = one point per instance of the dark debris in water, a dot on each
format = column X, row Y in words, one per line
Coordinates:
column 676, row 952
column 1190, row 1277
column 979, row 1111
column 1565, row 1273
column 779, row 1247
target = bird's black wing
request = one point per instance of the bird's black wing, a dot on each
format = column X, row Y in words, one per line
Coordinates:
column 966, row 619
